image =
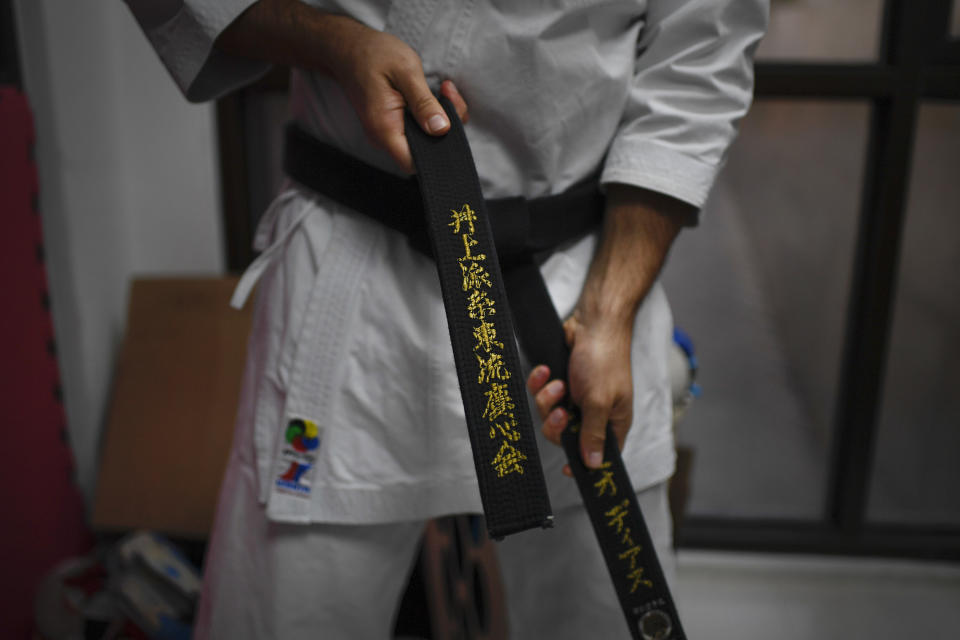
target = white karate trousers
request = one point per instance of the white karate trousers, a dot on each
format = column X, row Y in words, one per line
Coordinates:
column 265, row 580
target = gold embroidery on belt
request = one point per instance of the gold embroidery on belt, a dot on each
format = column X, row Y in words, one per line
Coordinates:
column 607, row 486
column 508, row 460
column 491, row 367
column 605, row 482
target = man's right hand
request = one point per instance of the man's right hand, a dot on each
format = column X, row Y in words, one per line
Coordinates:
column 380, row 73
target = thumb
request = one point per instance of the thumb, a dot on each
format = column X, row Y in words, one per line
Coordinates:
column 593, row 435
column 422, row 103
column 570, row 330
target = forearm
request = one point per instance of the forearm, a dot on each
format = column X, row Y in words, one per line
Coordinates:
column 639, row 228
column 291, row 33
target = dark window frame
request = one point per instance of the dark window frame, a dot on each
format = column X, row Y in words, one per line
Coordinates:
column 917, row 62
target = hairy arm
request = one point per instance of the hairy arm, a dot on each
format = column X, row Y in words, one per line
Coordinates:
column 639, row 228
column 380, row 73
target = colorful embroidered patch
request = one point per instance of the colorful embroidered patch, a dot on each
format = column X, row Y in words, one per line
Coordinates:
column 298, row 457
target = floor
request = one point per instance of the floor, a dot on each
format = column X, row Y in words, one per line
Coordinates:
column 726, row 596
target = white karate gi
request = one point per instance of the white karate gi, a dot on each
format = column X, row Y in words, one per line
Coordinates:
column 349, row 330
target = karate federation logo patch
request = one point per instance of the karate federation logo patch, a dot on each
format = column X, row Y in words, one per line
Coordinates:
column 298, row 456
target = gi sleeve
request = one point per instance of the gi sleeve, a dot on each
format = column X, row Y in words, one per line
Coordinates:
column 693, row 81
column 183, row 32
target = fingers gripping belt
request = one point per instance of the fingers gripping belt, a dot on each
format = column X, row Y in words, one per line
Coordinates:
column 475, row 295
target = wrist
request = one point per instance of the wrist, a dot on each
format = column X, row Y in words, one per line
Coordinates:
column 613, row 321
column 605, row 313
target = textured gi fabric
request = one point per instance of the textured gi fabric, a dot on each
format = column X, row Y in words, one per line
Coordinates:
column 183, row 34
column 266, row 580
column 349, row 329
column 551, row 85
column 352, row 330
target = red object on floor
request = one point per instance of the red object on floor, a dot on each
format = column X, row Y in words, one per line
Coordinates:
column 42, row 510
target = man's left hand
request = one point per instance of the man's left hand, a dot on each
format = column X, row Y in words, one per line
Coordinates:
column 639, row 228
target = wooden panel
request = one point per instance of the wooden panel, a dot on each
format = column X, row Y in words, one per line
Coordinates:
column 171, row 417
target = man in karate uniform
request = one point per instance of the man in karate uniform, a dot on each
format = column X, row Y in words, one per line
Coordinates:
column 349, row 355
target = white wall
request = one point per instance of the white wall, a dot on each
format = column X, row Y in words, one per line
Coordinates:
column 129, row 186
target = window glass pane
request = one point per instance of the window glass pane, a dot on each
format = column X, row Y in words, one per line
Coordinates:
column 761, row 287
column 822, row 30
column 916, row 476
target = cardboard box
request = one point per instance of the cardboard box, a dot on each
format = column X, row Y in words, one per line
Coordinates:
column 171, row 416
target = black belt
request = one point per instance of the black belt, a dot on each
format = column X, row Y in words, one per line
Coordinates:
column 521, row 227
column 472, row 240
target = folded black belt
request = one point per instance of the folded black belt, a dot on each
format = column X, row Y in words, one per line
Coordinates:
column 487, row 253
